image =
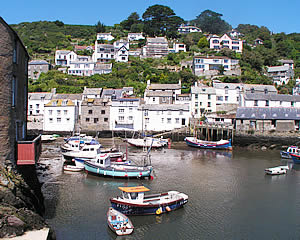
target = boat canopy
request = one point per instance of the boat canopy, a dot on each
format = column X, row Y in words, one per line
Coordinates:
column 134, row 189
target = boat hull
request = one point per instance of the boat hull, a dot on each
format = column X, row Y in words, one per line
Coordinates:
column 121, row 224
column 193, row 142
column 142, row 209
column 138, row 172
column 296, row 158
column 285, row 155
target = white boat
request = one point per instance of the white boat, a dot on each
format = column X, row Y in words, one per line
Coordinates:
column 277, row 170
column 72, row 168
column 85, row 151
column 147, row 142
column 119, row 223
column 48, row 138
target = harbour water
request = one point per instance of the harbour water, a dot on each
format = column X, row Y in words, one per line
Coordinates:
column 230, row 197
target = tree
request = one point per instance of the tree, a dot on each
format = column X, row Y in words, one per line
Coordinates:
column 203, row 43
column 160, row 20
column 133, row 19
column 100, row 27
column 59, row 23
column 211, row 22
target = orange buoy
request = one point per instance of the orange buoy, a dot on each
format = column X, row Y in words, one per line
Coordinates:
column 168, row 209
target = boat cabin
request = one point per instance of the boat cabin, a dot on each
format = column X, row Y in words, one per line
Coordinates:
column 134, row 194
column 293, row 149
column 103, row 160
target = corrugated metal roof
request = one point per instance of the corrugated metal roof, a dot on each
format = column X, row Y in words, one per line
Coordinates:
column 268, row 113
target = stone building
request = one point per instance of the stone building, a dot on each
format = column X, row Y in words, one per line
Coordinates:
column 13, row 92
column 95, row 114
column 36, row 67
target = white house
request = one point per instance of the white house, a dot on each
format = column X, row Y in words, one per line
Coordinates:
column 178, row 47
column 81, row 66
column 135, row 36
column 121, row 50
column 104, row 53
column 203, row 100
column 105, row 36
column 103, row 68
column 60, row 115
column 164, row 117
column 123, row 113
column 287, row 62
column 234, row 33
column 270, row 100
column 281, row 74
column 36, row 102
column 212, row 65
column 188, row 29
column 225, row 41
column 155, row 47
column 64, row 57
column 228, row 93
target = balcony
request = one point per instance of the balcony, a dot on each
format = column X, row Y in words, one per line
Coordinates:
column 29, row 150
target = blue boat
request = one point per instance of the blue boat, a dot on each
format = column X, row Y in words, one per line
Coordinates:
column 295, row 157
column 104, row 167
column 222, row 144
column 134, row 202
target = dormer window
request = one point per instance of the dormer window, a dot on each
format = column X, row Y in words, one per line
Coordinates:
column 266, row 91
column 54, row 103
column 252, row 90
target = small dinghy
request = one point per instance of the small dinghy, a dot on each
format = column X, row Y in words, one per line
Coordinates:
column 119, row 223
column 277, row 170
column 72, row 168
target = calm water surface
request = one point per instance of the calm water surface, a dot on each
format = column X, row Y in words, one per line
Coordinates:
column 230, row 197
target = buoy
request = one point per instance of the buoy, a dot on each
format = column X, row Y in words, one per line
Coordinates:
column 168, row 209
column 151, row 177
column 158, row 211
column 140, row 173
column 119, row 160
column 126, row 175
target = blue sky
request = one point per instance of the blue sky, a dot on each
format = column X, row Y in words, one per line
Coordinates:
column 277, row 15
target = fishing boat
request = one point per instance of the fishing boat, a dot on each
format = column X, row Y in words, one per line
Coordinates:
column 72, row 168
column 83, row 138
column 147, row 142
column 222, row 144
column 77, row 145
column 119, row 223
column 295, row 157
column 104, row 167
column 287, row 154
column 134, row 201
column 277, row 170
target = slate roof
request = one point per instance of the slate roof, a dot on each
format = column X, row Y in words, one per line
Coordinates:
column 67, row 96
column 203, row 90
column 38, row 62
column 268, row 113
column 278, row 69
column 164, row 86
column 260, row 88
column 103, row 66
column 92, row 91
column 286, row 61
column 230, row 86
column 272, row 97
column 159, row 94
column 164, row 107
column 110, row 92
column 39, row 95
column 63, row 52
column 157, row 40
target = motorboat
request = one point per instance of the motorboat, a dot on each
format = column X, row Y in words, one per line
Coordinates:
column 48, row 138
column 147, row 142
column 134, row 201
column 277, row 170
column 85, row 151
column 222, row 144
column 72, row 168
column 119, row 223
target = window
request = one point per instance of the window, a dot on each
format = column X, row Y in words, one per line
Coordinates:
column 65, row 112
column 225, row 60
column 252, row 90
column 226, row 98
column 267, row 103
column 196, row 96
column 215, row 41
column 196, row 104
column 58, row 112
column 164, row 99
column 30, row 106
column 37, row 106
column 256, row 103
column 37, row 111
column 225, row 41
column 90, row 112
column 51, row 120
column 153, row 99
column 208, row 96
column 14, row 91
column 147, row 120
column 96, row 120
column 266, row 91
column 105, row 119
column 102, row 111
column 169, row 113
column 130, row 117
column 219, row 98
column 177, row 120
column 208, row 104
column 130, row 109
column 15, row 53
column 168, row 120
column 58, row 120
column 162, row 120
column 235, row 48
column 121, row 110
column 292, row 104
column 121, row 118
column 87, row 119
column 157, row 112
column 68, row 119
column 181, row 113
